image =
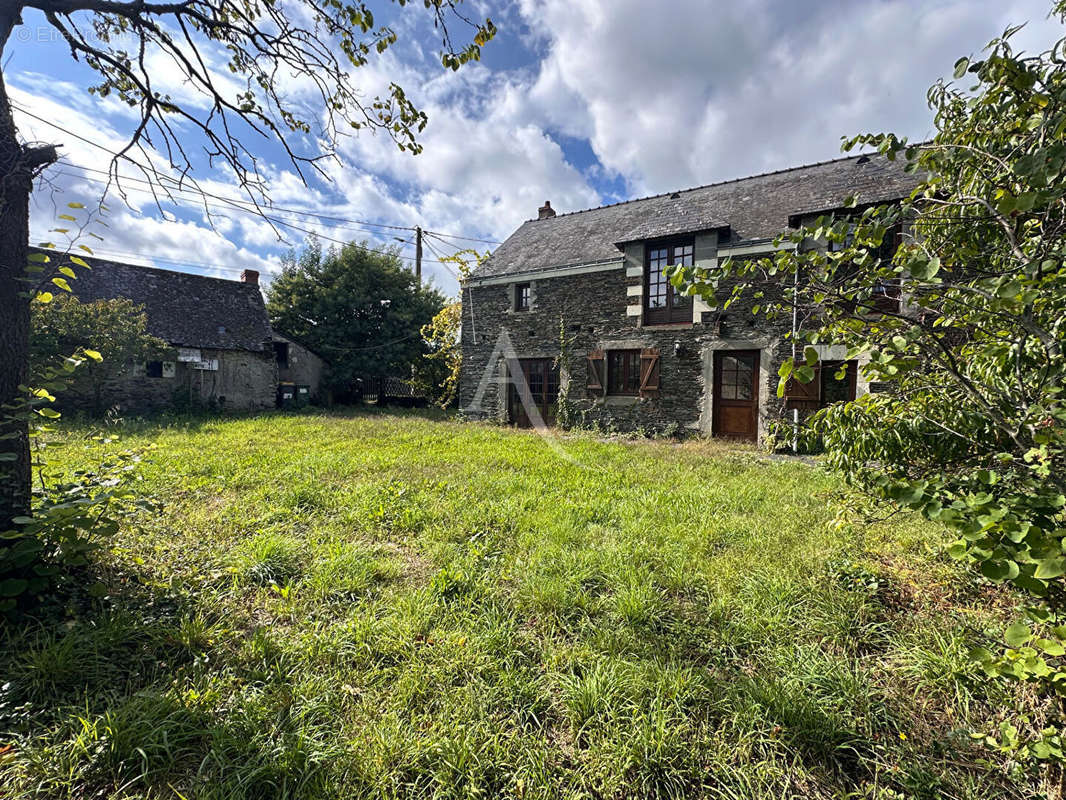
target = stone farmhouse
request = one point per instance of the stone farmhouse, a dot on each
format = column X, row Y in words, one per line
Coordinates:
column 224, row 354
column 576, row 305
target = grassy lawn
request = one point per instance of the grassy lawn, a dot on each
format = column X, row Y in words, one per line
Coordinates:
column 372, row 605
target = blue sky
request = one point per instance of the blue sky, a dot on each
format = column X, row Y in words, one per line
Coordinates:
column 580, row 102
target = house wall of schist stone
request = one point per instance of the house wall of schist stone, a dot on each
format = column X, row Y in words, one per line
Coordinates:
column 601, row 308
column 244, row 381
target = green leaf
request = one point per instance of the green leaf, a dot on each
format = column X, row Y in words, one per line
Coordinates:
column 805, row 374
column 1050, row 568
column 13, row 587
column 1052, row 648
column 62, row 284
column 1017, row 634
column 961, row 66
column 810, row 355
column 67, row 271
column 75, row 205
column 93, row 354
column 1009, row 289
column 50, row 413
column 44, row 297
column 999, row 571
column 80, row 261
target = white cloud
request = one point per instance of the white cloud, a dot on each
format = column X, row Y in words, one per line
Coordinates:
column 700, row 93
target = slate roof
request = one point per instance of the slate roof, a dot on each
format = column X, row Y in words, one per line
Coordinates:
column 184, row 310
column 755, row 208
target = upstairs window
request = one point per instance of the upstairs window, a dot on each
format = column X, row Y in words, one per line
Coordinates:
column 521, row 296
column 885, row 295
column 663, row 304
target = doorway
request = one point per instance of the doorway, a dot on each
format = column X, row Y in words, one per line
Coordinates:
column 542, row 377
column 736, row 394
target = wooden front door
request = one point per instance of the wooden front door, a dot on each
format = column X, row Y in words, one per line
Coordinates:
column 736, row 394
column 542, row 377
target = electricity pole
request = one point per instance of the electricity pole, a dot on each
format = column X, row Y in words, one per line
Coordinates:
column 418, row 254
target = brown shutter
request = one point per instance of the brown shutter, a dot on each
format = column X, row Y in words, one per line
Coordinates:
column 596, row 369
column 649, row 372
column 804, row 395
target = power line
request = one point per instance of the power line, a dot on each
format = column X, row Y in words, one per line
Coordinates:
column 442, row 262
column 269, row 217
column 466, row 238
column 179, row 188
column 199, row 193
column 199, row 202
column 236, row 202
column 107, row 255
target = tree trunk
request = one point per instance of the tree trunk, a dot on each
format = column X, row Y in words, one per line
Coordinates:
column 15, row 184
column 18, row 165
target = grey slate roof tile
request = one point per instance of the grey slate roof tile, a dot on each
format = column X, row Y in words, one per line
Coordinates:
column 184, row 310
column 754, row 208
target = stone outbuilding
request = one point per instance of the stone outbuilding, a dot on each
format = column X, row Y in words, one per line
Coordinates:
column 222, row 350
column 576, row 307
column 300, row 373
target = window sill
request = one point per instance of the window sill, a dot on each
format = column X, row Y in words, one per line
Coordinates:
column 621, row 400
column 668, row 326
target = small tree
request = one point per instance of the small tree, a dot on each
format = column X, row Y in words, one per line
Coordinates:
column 116, row 329
column 439, row 375
column 360, row 308
column 971, row 431
column 445, row 353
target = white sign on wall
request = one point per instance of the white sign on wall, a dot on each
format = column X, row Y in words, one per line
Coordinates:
column 189, row 354
column 209, row 365
column 168, row 369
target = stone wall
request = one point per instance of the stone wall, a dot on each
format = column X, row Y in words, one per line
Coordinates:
column 601, row 310
column 244, row 381
column 304, row 368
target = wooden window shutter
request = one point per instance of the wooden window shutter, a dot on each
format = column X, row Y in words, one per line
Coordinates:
column 804, row 395
column 597, row 364
column 649, row 372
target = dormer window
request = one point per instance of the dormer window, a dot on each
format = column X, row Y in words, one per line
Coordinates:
column 521, row 296
column 663, row 304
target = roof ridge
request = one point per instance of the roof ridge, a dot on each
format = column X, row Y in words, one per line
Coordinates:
column 710, row 185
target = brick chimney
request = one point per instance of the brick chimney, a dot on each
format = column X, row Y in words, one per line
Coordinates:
column 250, row 276
column 545, row 211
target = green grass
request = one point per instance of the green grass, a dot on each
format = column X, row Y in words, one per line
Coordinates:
column 371, row 605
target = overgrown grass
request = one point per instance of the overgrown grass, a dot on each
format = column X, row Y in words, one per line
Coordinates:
column 371, row 605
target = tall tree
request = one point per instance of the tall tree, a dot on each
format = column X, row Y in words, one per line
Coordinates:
column 360, row 308
column 964, row 328
column 269, row 46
